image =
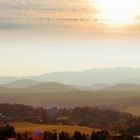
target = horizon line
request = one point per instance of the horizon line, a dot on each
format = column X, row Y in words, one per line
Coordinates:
column 65, row 71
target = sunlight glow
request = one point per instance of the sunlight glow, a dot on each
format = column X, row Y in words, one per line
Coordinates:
column 116, row 12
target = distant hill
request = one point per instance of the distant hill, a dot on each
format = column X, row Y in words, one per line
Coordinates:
column 123, row 87
column 8, row 90
column 68, row 99
column 21, row 83
column 87, row 77
column 49, row 87
column 57, row 94
column 32, row 86
column 93, row 76
column 95, row 87
column 130, row 81
column 5, row 80
column 38, row 88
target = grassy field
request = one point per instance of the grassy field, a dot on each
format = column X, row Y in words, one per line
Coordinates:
column 134, row 110
column 32, row 127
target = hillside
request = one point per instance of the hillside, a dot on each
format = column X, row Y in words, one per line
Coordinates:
column 5, row 80
column 71, row 98
column 123, row 87
column 41, row 87
column 91, row 116
column 93, row 76
column 95, row 87
column 23, row 83
column 28, row 85
column 88, row 77
column 49, row 87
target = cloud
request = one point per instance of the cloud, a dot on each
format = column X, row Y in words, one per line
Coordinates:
column 39, row 4
column 79, row 14
column 28, row 11
column 8, row 26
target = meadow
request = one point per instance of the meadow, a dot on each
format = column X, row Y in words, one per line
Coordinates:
column 33, row 127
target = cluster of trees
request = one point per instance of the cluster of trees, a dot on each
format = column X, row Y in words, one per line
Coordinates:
column 80, row 115
column 99, row 118
column 105, row 119
column 7, row 132
column 18, row 110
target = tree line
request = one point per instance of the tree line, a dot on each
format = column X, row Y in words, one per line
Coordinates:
column 105, row 119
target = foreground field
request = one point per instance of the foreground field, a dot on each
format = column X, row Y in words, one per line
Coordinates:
column 32, row 127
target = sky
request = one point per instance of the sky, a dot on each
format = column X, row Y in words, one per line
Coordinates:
column 41, row 36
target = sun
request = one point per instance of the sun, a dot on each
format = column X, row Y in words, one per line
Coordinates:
column 116, row 12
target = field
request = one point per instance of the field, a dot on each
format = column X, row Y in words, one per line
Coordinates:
column 134, row 110
column 32, row 127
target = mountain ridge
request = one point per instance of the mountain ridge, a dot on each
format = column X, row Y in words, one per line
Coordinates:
column 87, row 77
column 23, row 83
column 41, row 87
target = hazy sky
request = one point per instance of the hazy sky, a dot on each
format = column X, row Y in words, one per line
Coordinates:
column 40, row 36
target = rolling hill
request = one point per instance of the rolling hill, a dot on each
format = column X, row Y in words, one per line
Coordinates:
column 5, row 80
column 49, row 87
column 93, row 76
column 23, row 83
column 41, row 87
column 87, row 77
column 123, row 87
column 32, row 86
column 95, row 87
